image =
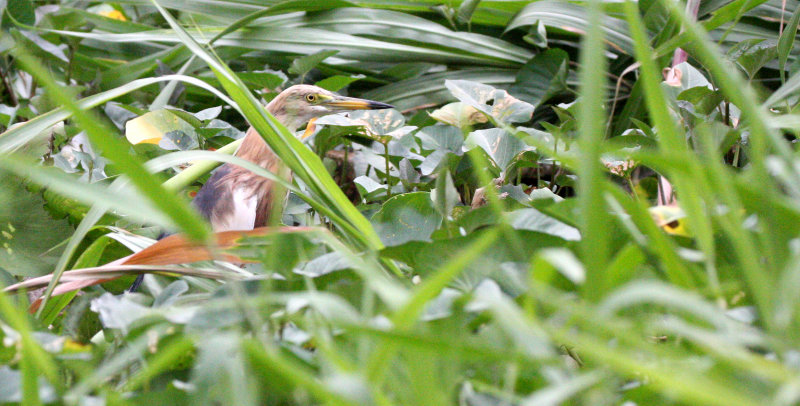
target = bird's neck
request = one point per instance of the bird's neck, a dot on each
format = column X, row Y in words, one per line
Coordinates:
column 253, row 148
column 289, row 120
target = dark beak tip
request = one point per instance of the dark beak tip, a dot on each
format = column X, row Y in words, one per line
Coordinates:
column 373, row 105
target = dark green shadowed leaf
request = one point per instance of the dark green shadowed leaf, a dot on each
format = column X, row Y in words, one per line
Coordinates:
column 542, row 77
column 20, row 10
column 338, row 82
column 30, row 237
column 752, row 55
column 303, row 65
column 407, row 217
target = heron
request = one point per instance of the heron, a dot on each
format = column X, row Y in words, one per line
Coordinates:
column 234, row 198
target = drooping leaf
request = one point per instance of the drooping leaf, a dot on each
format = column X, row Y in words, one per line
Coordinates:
column 465, row 10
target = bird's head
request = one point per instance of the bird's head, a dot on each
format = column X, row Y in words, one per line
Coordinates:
column 296, row 105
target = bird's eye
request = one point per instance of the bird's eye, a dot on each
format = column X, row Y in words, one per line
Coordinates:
column 311, row 97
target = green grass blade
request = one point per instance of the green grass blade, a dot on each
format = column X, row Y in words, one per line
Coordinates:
column 594, row 219
column 673, row 140
column 405, row 317
column 786, row 42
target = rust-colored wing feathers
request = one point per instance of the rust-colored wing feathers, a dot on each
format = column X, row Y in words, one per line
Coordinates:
column 171, row 250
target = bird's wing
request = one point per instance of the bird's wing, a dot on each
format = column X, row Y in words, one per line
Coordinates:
column 227, row 204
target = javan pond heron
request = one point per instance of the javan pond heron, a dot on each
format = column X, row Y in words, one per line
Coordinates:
column 237, row 199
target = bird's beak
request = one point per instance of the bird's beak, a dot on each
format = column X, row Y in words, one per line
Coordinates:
column 351, row 103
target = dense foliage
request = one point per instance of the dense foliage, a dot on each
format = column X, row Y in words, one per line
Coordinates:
column 573, row 202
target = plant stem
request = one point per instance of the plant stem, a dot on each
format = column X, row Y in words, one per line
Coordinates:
column 388, row 178
column 344, row 164
column 68, row 77
column 633, row 188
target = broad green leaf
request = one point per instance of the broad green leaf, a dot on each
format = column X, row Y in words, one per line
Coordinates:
column 752, row 55
column 703, row 99
column 20, row 10
column 29, row 236
column 369, row 189
column 534, row 220
column 498, row 144
column 543, row 77
column 264, row 79
column 441, row 138
column 406, row 217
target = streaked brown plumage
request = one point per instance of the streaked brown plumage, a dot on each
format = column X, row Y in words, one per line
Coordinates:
column 237, row 199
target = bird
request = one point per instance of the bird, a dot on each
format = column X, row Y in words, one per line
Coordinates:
column 234, row 198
